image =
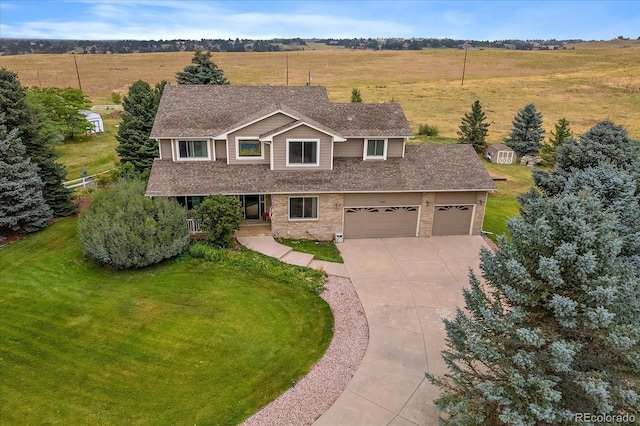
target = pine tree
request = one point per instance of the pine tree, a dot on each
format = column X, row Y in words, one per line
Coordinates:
column 551, row 332
column 202, row 71
column 356, row 96
column 527, row 134
column 31, row 122
column 140, row 107
column 22, row 205
column 561, row 134
column 473, row 130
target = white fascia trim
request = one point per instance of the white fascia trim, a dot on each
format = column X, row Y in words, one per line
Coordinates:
column 243, row 125
column 336, row 138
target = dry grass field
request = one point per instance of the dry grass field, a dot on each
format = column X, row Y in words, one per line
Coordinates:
column 585, row 84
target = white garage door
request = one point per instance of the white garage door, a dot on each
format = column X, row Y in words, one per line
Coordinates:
column 380, row 222
column 452, row 220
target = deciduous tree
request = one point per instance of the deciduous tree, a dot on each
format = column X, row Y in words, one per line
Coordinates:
column 64, row 106
column 527, row 132
column 201, row 71
column 473, row 129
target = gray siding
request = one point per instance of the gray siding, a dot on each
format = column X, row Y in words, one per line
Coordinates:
column 279, row 145
column 221, row 149
column 456, row 198
column 253, row 131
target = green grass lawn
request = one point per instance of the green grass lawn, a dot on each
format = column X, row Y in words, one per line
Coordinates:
column 187, row 342
column 321, row 250
column 503, row 205
column 91, row 153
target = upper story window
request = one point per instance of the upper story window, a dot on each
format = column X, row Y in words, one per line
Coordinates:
column 193, row 150
column 375, row 149
column 303, row 152
column 250, row 149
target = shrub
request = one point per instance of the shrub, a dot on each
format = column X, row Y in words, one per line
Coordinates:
column 220, row 217
column 125, row 229
column 427, row 130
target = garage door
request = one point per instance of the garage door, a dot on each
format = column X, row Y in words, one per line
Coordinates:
column 380, row 222
column 452, row 220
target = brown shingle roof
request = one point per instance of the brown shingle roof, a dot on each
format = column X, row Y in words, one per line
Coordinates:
column 211, row 110
column 425, row 168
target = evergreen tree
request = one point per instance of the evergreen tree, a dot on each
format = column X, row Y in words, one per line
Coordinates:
column 473, row 130
column 356, row 96
column 561, row 134
column 140, row 107
column 35, row 132
column 527, row 133
column 604, row 142
column 202, row 71
column 551, row 332
column 22, row 205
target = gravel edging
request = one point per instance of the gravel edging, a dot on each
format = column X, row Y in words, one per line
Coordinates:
column 317, row 391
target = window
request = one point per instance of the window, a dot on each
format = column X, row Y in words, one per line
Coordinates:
column 193, row 149
column 376, row 148
column 302, row 153
column 249, row 148
column 303, row 208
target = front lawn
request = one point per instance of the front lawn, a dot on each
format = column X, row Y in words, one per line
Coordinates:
column 190, row 341
column 321, row 250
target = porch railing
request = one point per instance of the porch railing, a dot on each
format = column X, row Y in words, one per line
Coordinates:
column 194, row 226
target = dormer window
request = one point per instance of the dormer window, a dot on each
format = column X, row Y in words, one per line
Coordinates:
column 375, row 149
column 193, row 150
column 303, row 152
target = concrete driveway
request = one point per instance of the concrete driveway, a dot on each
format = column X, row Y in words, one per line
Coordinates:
column 406, row 286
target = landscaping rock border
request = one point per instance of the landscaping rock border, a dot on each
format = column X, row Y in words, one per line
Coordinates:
column 309, row 398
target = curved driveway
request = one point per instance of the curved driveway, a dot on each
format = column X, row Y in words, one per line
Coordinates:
column 406, row 286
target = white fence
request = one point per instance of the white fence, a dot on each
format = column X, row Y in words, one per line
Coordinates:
column 107, row 108
column 194, row 226
column 84, row 182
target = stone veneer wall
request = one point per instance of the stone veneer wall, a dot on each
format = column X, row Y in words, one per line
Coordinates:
column 329, row 222
column 426, row 214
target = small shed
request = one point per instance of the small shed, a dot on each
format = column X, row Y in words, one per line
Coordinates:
column 95, row 121
column 500, row 154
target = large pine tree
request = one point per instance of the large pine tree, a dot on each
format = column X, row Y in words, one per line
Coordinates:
column 32, row 131
column 140, row 107
column 560, row 135
column 527, row 133
column 201, row 71
column 22, row 205
column 555, row 328
column 473, row 129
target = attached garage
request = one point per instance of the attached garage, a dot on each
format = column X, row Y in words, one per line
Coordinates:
column 453, row 213
column 381, row 215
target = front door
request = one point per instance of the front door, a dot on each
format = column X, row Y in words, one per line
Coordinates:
column 252, row 207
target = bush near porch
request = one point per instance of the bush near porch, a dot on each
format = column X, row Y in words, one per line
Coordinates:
column 188, row 341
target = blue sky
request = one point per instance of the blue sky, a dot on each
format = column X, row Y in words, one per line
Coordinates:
column 186, row 19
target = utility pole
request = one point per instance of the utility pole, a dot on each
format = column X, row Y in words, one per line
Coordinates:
column 77, row 72
column 464, row 67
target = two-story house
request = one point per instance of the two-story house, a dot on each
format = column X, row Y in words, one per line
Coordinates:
column 314, row 167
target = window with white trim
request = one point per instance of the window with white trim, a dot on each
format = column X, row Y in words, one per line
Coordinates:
column 249, row 149
column 376, row 148
column 303, row 208
column 302, row 153
column 193, row 149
